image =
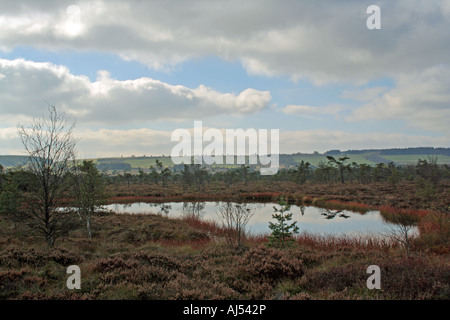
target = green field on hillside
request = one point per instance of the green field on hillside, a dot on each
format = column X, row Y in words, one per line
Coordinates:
column 412, row 159
column 285, row 160
column 314, row 159
column 147, row 162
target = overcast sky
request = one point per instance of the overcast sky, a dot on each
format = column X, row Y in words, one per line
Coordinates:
column 131, row 72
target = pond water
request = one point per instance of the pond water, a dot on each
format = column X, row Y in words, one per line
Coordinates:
column 309, row 219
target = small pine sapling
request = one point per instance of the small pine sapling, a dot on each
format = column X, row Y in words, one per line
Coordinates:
column 282, row 230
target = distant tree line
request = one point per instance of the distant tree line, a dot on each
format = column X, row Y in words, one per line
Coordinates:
column 396, row 151
column 334, row 170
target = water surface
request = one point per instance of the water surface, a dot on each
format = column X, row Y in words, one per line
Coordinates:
column 309, row 219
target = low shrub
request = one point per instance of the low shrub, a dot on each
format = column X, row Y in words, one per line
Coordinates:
column 17, row 257
column 161, row 261
column 187, row 288
column 111, row 264
column 269, row 264
column 415, row 278
column 334, row 279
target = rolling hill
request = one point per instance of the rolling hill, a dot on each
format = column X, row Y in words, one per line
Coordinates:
column 371, row 157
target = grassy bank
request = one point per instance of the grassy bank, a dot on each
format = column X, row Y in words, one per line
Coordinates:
column 404, row 195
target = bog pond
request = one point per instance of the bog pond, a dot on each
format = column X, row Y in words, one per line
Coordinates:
column 311, row 220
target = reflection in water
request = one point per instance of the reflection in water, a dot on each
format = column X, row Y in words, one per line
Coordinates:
column 193, row 209
column 310, row 219
column 164, row 208
column 302, row 210
column 127, row 205
column 234, row 215
column 331, row 214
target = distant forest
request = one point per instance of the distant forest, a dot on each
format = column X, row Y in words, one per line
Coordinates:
column 396, row 151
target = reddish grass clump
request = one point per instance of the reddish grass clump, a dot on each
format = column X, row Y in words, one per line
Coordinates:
column 203, row 225
column 257, row 239
column 420, row 213
column 307, row 200
column 353, row 206
column 403, row 216
column 333, row 243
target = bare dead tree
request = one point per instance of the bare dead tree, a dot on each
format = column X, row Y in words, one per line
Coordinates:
column 402, row 230
column 234, row 218
column 50, row 145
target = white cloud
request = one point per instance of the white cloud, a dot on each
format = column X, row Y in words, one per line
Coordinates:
column 10, row 142
column 364, row 95
column 312, row 111
column 102, row 142
column 113, row 143
column 421, row 99
column 143, row 141
column 324, row 140
column 27, row 85
column 8, row 133
column 321, row 41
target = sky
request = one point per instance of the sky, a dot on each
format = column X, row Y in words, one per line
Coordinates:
column 129, row 73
